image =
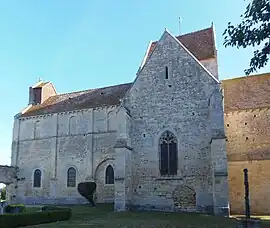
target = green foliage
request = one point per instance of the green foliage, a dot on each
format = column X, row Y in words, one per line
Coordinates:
column 254, row 30
column 34, row 218
column 50, row 208
column 87, row 189
column 15, row 208
column 3, row 194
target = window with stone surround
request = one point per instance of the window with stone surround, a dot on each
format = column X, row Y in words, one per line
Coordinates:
column 72, row 125
column 37, row 129
column 168, row 154
column 71, row 177
column 109, row 176
column 166, row 72
column 37, row 178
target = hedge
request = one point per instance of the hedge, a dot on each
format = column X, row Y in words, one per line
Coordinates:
column 51, row 208
column 15, row 208
column 34, row 218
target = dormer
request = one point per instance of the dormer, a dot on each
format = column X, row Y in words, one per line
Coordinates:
column 40, row 92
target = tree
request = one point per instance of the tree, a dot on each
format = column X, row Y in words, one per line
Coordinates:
column 87, row 190
column 254, row 30
column 3, row 193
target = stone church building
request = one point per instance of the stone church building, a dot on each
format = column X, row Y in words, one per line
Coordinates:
column 157, row 143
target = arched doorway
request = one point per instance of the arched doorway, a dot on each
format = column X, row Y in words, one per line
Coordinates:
column 104, row 178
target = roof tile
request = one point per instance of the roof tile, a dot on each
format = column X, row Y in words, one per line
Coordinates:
column 246, row 92
column 91, row 98
column 200, row 43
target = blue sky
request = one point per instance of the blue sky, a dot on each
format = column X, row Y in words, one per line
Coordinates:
column 93, row 43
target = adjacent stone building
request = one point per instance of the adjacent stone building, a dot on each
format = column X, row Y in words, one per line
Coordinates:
column 247, row 119
column 157, row 143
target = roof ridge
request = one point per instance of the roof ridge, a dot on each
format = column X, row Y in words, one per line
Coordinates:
column 192, row 56
column 85, row 90
column 266, row 74
column 190, row 33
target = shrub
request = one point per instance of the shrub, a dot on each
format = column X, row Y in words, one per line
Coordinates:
column 51, row 208
column 34, row 218
column 87, row 189
column 15, row 208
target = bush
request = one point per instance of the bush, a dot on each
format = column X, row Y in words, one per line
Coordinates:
column 51, row 208
column 15, row 208
column 34, row 218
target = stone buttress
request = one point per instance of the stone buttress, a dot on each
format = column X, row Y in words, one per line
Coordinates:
column 123, row 163
column 218, row 155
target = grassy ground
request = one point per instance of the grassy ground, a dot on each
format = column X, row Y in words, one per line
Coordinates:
column 103, row 216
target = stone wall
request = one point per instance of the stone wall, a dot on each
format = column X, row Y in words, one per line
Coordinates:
column 248, row 147
column 53, row 143
column 179, row 104
column 211, row 65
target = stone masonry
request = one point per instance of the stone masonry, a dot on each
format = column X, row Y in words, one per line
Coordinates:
column 221, row 127
column 189, row 104
column 53, row 143
column 177, row 90
column 247, row 118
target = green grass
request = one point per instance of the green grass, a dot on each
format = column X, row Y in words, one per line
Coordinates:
column 84, row 216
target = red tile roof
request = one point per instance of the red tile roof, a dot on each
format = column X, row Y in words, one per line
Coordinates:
column 246, row 92
column 80, row 100
column 200, row 43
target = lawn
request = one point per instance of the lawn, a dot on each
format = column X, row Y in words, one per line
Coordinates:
column 103, row 216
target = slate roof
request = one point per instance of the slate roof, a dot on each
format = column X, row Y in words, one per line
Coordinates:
column 246, row 92
column 91, row 98
column 200, row 43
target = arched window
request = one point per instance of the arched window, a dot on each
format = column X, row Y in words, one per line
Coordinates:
column 110, row 121
column 72, row 125
column 37, row 178
column 109, row 178
column 71, row 177
column 168, row 154
column 37, row 129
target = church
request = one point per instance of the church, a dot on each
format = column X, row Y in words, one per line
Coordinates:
column 157, row 143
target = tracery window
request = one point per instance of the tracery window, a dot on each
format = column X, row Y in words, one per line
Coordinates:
column 37, row 178
column 109, row 176
column 168, row 154
column 71, row 177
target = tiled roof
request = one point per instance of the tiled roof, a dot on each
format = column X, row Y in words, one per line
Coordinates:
column 80, row 100
column 200, row 43
column 246, row 92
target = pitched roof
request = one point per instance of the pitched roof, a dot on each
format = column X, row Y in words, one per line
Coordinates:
column 41, row 84
column 200, row 43
column 246, row 92
column 80, row 100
